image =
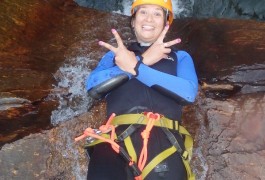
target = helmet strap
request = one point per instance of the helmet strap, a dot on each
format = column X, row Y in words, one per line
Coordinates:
column 167, row 15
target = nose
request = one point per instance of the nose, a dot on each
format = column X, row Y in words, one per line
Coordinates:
column 149, row 17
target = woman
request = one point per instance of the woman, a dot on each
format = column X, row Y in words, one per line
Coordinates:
column 148, row 76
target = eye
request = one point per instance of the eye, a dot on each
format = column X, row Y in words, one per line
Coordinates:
column 158, row 13
column 142, row 11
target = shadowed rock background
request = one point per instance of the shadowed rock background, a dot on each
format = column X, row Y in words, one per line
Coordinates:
column 46, row 45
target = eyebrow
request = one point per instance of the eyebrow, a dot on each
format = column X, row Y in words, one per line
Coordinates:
column 157, row 8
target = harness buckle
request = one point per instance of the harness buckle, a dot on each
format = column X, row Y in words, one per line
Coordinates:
column 90, row 139
column 161, row 169
column 185, row 155
column 130, row 130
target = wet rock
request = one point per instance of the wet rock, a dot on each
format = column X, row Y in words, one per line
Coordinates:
column 25, row 158
column 7, row 103
column 230, row 9
column 231, row 137
column 227, row 54
column 51, row 154
column 35, row 42
column 237, row 9
column 221, row 47
column 28, row 59
column 219, row 91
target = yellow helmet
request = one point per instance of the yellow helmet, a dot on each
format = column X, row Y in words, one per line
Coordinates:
column 163, row 3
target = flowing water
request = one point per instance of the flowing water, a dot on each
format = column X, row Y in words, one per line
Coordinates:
column 71, row 76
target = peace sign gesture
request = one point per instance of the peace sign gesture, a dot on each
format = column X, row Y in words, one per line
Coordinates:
column 124, row 58
column 159, row 49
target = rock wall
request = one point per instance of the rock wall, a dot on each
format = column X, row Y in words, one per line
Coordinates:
column 32, row 46
column 226, row 120
column 230, row 137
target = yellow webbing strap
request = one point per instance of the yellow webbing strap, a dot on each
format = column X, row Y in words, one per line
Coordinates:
column 188, row 141
column 164, row 122
column 159, row 158
column 130, row 148
column 126, row 119
column 190, row 174
column 97, row 141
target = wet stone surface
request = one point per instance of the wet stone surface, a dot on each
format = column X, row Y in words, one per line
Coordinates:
column 235, row 147
column 28, row 57
column 226, row 120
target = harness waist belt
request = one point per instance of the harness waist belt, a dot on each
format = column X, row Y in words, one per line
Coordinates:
column 133, row 120
column 127, row 119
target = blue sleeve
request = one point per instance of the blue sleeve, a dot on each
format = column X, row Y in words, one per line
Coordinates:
column 184, row 84
column 105, row 70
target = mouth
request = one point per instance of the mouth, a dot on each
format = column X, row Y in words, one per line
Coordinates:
column 147, row 27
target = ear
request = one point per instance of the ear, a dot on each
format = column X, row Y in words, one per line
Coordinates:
column 132, row 23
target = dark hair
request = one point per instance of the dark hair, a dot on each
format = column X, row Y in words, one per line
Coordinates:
column 132, row 18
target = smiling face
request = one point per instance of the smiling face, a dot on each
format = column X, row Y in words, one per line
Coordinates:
column 148, row 23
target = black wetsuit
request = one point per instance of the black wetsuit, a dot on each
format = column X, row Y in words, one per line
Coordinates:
column 135, row 97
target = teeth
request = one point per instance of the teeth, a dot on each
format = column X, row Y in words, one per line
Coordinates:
column 148, row 27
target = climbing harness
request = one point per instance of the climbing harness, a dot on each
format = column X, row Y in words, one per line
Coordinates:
column 106, row 133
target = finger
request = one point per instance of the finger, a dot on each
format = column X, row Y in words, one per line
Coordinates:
column 166, row 45
column 108, row 46
column 163, row 34
column 167, row 51
column 173, row 42
column 117, row 37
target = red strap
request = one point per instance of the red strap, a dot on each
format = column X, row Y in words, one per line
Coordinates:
column 104, row 128
column 152, row 117
column 145, row 135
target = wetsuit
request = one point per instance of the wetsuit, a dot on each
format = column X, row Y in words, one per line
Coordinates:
column 161, row 88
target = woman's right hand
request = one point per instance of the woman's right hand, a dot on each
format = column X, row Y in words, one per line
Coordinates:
column 124, row 59
column 159, row 49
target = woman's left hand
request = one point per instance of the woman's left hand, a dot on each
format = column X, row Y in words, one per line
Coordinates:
column 125, row 59
column 159, row 49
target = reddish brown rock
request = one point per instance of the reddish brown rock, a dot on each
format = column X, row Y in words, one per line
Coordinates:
column 232, row 137
column 51, row 154
column 229, row 55
column 29, row 55
column 219, row 46
column 46, row 34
